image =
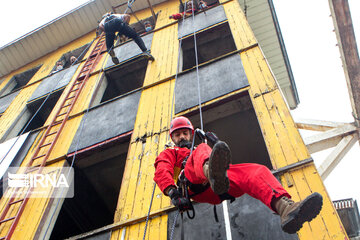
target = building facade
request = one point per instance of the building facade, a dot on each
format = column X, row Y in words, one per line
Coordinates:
column 109, row 122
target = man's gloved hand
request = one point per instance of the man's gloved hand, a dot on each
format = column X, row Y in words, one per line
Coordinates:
column 180, row 202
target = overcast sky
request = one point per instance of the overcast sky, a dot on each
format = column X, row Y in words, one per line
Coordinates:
column 307, row 30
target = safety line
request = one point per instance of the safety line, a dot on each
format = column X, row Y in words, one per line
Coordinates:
column 171, row 116
column 197, row 68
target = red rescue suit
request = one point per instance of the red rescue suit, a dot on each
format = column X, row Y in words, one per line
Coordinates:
column 254, row 179
column 188, row 12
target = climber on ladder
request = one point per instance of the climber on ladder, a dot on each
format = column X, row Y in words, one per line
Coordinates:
column 211, row 178
column 112, row 23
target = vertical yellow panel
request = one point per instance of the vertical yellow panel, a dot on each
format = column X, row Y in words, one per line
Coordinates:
column 283, row 141
column 151, row 126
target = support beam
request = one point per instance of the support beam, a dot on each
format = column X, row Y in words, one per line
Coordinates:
column 329, row 138
column 337, row 155
column 340, row 13
column 317, row 125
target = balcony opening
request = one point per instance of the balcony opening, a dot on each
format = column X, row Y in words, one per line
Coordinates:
column 41, row 117
column 235, row 122
column 28, row 115
column 121, row 79
column 70, row 58
column 19, row 80
column 209, row 3
column 212, row 43
column 98, row 175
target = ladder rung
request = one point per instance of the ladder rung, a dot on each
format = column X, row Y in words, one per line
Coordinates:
column 20, row 200
column 66, row 105
column 70, row 97
column 39, row 156
column 57, row 123
column 44, row 145
column 6, row 220
column 74, row 90
column 61, row 114
column 81, row 77
column 31, row 169
column 51, row 134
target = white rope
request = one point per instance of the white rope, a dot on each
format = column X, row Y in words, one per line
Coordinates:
column 197, row 69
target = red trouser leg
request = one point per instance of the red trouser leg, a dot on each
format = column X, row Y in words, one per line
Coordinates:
column 254, row 179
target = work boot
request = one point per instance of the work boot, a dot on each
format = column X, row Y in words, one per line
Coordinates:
column 219, row 162
column 148, row 55
column 115, row 60
column 294, row 214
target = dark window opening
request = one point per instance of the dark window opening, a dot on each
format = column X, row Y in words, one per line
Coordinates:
column 208, row 3
column 70, row 58
column 19, row 80
column 235, row 122
column 211, row 44
column 139, row 27
column 123, row 79
column 41, row 117
column 98, row 179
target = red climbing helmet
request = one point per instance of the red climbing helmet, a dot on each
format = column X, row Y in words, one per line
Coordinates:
column 180, row 122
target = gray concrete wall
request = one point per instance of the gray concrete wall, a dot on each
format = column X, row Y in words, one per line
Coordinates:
column 53, row 82
column 201, row 21
column 216, row 79
column 249, row 220
column 106, row 121
column 5, row 101
column 129, row 50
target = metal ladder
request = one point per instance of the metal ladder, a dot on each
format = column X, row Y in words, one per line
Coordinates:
column 51, row 135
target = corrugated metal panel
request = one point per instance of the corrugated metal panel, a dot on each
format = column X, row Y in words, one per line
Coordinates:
column 59, row 32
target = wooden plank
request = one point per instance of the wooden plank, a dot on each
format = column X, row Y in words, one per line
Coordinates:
column 316, row 125
column 152, row 119
column 329, row 138
column 241, row 31
column 337, row 155
column 344, row 30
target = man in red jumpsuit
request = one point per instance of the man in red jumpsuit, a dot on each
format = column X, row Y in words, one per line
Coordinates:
column 213, row 178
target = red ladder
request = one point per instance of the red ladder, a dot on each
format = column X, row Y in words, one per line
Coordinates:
column 51, row 135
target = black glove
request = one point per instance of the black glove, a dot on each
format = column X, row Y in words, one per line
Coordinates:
column 180, row 202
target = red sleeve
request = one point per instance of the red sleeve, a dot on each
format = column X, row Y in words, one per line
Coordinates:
column 177, row 16
column 164, row 169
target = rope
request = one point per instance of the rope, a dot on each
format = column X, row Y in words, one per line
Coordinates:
column 197, row 69
column 129, row 5
column 42, row 104
column 173, row 225
column 147, row 217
